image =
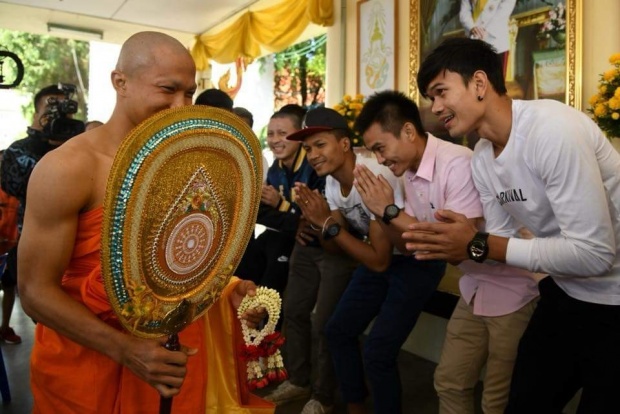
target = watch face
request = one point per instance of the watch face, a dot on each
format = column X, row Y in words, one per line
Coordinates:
column 333, row 229
column 477, row 248
column 392, row 211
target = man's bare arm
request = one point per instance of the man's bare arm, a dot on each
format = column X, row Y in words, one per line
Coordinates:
column 59, row 188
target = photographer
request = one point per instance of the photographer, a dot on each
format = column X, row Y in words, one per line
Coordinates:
column 51, row 126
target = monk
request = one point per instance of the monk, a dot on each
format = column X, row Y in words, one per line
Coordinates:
column 82, row 360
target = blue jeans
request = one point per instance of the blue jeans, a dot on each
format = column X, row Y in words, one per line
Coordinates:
column 396, row 298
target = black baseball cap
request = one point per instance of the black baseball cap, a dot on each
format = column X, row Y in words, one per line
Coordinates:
column 320, row 120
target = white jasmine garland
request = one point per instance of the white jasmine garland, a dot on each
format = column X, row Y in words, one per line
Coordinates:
column 254, row 347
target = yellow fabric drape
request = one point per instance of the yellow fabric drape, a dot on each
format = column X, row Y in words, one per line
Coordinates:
column 223, row 391
column 273, row 28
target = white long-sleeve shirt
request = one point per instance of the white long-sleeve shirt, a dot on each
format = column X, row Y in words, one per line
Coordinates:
column 560, row 177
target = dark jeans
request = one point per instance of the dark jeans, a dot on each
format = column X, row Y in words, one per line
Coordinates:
column 568, row 344
column 396, row 297
column 316, row 281
column 266, row 260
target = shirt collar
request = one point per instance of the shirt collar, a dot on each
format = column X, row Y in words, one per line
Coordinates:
column 427, row 164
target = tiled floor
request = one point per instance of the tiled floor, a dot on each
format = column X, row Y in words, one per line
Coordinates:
column 418, row 394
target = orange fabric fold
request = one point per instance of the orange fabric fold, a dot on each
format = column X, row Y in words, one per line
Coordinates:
column 69, row 378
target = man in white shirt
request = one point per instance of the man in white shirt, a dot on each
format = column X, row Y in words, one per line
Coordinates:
column 548, row 167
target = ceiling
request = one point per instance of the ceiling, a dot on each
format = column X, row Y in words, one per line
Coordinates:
column 118, row 19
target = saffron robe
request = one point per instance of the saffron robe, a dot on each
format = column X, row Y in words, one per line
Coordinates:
column 69, row 378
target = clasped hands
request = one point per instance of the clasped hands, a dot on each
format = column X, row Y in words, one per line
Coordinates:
column 445, row 239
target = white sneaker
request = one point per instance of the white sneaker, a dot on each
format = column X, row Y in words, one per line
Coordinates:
column 315, row 407
column 287, row 392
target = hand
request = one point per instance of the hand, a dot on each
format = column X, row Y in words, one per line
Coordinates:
column 376, row 192
column 478, row 33
column 163, row 369
column 312, row 204
column 446, row 240
column 306, row 232
column 251, row 316
column 270, row 196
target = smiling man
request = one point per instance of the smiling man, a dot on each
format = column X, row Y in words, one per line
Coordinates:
column 436, row 173
column 547, row 166
column 381, row 280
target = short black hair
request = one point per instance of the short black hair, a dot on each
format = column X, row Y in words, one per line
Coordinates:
column 245, row 114
column 391, row 109
column 215, row 97
column 463, row 56
column 295, row 109
column 294, row 112
column 49, row 90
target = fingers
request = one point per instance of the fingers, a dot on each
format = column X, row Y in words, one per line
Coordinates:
column 246, row 287
column 166, row 391
column 254, row 316
column 189, row 351
column 449, row 216
column 304, row 237
column 163, row 369
column 299, row 239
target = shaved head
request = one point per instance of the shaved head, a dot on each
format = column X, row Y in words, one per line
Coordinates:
column 154, row 72
column 143, row 49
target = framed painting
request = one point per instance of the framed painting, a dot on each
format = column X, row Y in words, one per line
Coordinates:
column 543, row 45
column 376, row 45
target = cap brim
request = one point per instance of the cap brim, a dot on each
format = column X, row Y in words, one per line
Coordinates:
column 306, row 132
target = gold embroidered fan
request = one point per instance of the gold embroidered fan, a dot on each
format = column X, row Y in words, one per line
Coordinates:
column 179, row 210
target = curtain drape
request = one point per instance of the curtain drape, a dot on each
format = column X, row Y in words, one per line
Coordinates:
column 273, row 28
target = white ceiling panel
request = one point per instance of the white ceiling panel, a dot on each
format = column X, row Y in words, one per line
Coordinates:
column 189, row 16
column 104, row 8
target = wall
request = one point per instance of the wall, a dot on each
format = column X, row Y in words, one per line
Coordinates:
column 600, row 34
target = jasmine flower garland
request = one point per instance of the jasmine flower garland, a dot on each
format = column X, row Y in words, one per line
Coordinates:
column 263, row 343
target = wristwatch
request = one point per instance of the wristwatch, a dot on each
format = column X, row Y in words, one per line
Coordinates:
column 478, row 248
column 331, row 231
column 390, row 213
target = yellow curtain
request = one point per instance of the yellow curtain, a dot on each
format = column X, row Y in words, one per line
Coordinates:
column 274, row 28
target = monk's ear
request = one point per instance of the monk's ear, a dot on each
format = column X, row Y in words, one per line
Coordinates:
column 119, row 81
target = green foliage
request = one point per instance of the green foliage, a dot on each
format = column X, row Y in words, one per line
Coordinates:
column 313, row 50
column 48, row 60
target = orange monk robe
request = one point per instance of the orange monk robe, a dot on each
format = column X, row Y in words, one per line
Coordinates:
column 69, row 378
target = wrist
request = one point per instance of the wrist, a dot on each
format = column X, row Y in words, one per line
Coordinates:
column 478, row 247
column 324, row 226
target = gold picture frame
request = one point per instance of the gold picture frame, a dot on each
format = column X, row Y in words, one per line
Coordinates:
column 377, row 45
column 529, row 17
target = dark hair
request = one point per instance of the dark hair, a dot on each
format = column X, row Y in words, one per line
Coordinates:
column 294, row 109
column 294, row 116
column 245, row 114
column 463, row 56
column 391, row 109
column 215, row 97
column 47, row 91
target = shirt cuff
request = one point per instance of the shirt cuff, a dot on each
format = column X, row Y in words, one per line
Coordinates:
column 518, row 253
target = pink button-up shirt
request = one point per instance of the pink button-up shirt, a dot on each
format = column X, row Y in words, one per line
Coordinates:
column 443, row 182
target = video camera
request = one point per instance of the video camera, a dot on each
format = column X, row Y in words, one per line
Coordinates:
column 57, row 125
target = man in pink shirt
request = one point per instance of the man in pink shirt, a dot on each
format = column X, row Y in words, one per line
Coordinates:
column 497, row 300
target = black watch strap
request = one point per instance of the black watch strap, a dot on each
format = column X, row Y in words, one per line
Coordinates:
column 331, row 231
column 390, row 213
column 478, row 247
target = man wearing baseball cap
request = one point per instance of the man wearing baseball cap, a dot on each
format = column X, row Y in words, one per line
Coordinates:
column 348, row 226
column 317, row 278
